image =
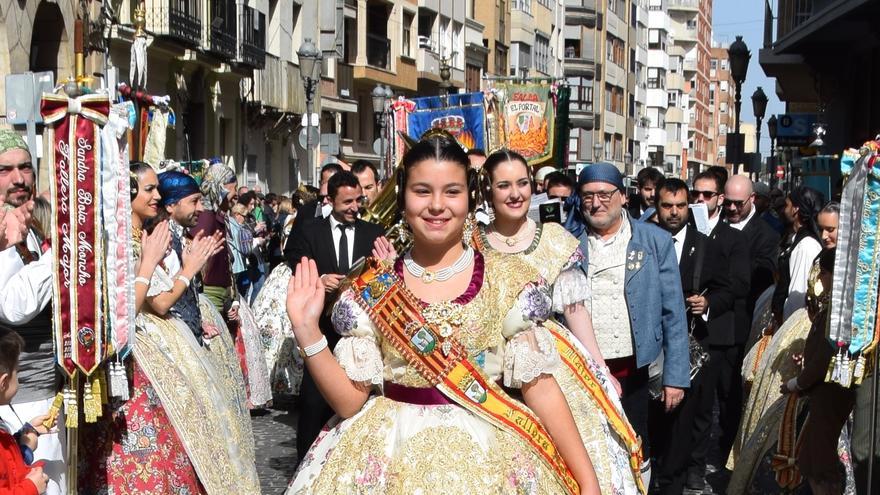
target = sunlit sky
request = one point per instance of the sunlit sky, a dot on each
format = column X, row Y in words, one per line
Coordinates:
column 746, row 18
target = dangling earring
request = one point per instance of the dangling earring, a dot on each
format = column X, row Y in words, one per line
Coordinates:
column 470, row 227
column 404, row 234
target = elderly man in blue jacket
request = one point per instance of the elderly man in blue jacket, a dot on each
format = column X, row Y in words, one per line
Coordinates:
column 636, row 299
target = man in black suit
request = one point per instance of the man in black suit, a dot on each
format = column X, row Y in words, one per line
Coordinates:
column 709, row 295
column 312, row 210
column 763, row 240
column 730, row 246
column 336, row 243
column 763, row 255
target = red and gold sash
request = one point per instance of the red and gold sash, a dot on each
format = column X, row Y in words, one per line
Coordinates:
column 77, row 243
column 574, row 359
column 443, row 363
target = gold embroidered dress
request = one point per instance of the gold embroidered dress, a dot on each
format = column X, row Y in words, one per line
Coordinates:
column 554, row 256
column 765, row 404
column 183, row 395
column 404, row 447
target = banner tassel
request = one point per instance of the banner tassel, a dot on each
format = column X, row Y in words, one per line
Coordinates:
column 71, row 411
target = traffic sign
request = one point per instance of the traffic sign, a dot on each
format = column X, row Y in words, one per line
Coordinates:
column 313, row 139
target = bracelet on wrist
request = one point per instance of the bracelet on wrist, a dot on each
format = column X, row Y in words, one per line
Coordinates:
column 142, row 280
column 183, row 279
column 312, row 349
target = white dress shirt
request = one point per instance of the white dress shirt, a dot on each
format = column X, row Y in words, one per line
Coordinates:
column 25, row 290
column 799, row 266
column 713, row 221
column 337, row 235
column 742, row 223
column 678, row 242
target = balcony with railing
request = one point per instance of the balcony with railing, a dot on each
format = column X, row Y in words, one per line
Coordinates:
column 581, row 13
column 278, row 85
column 179, row 19
column 689, row 65
column 252, row 46
column 686, row 34
column 580, row 108
column 222, row 29
column 683, row 5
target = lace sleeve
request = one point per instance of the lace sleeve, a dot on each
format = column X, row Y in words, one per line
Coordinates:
column 358, row 350
column 530, row 350
column 528, row 355
column 160, row 282
column 571, row 287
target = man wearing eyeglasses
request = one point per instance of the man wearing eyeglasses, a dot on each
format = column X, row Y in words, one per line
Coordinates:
column 637, row 304
column 723, row 369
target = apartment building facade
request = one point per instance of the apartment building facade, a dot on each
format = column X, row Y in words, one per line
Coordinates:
column 606, row 55
column 722, row 118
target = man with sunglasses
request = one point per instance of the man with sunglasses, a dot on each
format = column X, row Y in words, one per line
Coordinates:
column 636, row 305
column 723, row 369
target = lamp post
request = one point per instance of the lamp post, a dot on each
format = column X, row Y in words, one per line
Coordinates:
column 380, row 97
column 771, row 131
column 310, row 71
column 739, row 56
column 759, row 106
column 628, row 161
column 597, row 152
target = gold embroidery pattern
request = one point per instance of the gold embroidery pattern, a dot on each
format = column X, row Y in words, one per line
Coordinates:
column 444, row 456
column 213, row 427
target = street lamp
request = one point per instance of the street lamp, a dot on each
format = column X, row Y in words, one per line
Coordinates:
column 310, row 71
column 759, row 106
column 771, row 131
column 380, row 97
column 628, row 161
column 597, row 152
column 739, row 56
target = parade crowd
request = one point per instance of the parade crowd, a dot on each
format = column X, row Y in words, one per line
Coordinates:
column 468, row 349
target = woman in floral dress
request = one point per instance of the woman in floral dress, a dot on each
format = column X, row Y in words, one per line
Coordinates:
column 553, row 255
column 178, row 432
column 432, row 334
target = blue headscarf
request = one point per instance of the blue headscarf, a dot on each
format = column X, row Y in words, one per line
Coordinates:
column 597, row 172
column 174, row 186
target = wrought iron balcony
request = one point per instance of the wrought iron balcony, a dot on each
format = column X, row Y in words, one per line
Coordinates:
column 222, row 32
column 252, row 49
column 179, row 19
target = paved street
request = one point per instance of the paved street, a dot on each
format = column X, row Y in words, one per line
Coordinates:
column 274, row 435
